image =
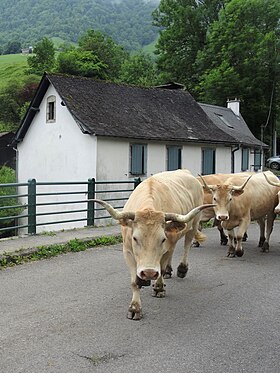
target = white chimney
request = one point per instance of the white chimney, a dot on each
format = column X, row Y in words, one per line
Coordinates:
column 234, row 106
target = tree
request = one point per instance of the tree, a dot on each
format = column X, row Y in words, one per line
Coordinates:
column 79, row 62
column 184, row 25
column 108, row 52
column 43, row 58
column 13, row 98
column 241, row 60
column 139, row 69
column 12, row 47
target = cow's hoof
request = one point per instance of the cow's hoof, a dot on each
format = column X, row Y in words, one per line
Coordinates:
column 158, row 292
column 231, row 254
column 195, row 244
column 224, row 242
column 240, row 253
column 134, row 312
column 168, row 272
column 265, row 247
column 182, row 270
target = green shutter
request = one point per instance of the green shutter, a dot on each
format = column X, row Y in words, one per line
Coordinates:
column 208, row 161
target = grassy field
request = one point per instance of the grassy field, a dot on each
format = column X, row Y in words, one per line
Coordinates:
column 12, row 66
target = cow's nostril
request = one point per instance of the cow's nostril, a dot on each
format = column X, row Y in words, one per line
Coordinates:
column 149, row 274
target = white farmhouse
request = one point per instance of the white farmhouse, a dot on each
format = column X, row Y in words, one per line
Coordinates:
column 78, row 128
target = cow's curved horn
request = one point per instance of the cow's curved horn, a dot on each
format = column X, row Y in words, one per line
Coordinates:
column 271, row 182
column 209, row 187
column 113, row 212
column 241, row 187
column 189, row 216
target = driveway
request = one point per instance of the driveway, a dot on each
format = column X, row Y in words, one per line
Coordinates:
column 68, row 314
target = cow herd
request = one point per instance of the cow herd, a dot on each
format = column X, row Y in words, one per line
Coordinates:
column 172, row 204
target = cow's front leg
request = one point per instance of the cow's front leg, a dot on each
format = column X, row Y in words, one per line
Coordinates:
column 184, row 264
column 231, row 248
column 135, row 308
column 243, row 227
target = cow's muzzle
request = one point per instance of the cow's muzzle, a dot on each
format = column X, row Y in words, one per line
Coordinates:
column 149, row 274
column 222, row 217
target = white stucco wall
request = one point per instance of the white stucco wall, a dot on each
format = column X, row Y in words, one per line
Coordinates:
column 191, row 158
column 49, row 150
column 223, row 160
column 57, row 152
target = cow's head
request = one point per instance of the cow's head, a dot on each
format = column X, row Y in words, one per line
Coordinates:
column 152, row 233
column 222, row 195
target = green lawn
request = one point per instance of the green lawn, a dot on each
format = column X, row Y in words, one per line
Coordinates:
column 12, row 66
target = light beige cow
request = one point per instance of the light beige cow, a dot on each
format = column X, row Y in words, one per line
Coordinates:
column 275, row 182
column 161, row 210
column 208, row 214
column 238, row 202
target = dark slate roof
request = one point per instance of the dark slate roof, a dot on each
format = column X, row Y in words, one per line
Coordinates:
column 234, row 125
column 114, row 110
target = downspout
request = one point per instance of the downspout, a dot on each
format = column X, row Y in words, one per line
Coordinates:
column 232, row 158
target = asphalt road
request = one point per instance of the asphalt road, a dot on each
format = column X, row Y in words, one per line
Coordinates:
column 68, row 314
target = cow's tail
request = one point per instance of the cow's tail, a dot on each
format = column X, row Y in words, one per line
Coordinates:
column 199, row 237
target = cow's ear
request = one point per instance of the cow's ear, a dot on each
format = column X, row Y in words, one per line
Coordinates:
column 237, row 193
column 174, row 227
column 126, row 222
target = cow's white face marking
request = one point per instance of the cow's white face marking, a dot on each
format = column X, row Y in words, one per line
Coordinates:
column 222, row 197
column 149, row 244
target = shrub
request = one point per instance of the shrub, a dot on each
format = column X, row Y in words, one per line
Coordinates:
column 8, row 176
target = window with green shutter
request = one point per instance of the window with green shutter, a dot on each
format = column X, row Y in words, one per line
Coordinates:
column 257, row 160
column 138, row 159
column 245, row 159
column 208, row 161
column 174, row 158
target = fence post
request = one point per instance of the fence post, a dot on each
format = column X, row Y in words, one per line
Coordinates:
column 137, row 181
column 31, row 206
column 90, row 207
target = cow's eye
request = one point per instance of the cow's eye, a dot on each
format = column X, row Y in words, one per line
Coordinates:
column 135, row 239
column 215, row 199
column 164, row 239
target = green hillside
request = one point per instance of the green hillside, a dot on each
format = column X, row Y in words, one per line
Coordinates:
column 12, row 67
column 128, row 22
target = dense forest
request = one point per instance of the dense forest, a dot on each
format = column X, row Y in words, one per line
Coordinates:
column 218, row 49
column 128, row 22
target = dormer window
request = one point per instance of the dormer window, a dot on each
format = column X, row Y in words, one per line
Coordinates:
column 51, row 109
column 223, row 119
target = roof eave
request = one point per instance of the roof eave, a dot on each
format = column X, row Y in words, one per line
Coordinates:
column 32, row 109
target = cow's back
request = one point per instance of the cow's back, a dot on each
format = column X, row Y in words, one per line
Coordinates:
column 170, row 191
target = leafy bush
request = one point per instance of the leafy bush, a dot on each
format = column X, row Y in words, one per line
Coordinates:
column 8, row 176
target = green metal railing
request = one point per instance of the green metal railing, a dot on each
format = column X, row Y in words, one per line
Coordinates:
column 27, row 203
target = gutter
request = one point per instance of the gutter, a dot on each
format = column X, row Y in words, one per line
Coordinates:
column 232, row 157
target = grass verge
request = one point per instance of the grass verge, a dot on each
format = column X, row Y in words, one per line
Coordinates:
column 45, row 252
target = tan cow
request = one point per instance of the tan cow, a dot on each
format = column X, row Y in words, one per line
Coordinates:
column 208, row 214
column 275, row 182
column 238, row 202
column 161, row 210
